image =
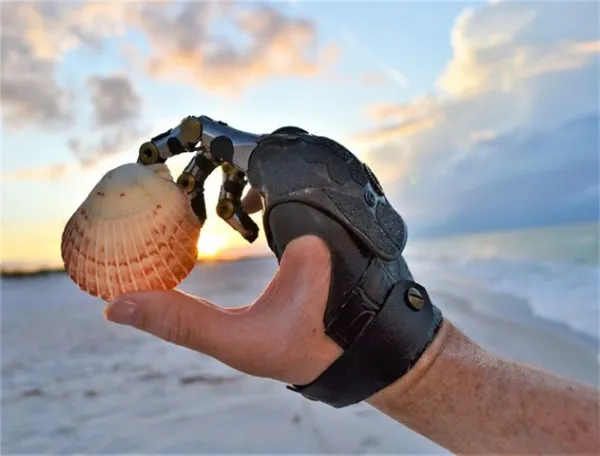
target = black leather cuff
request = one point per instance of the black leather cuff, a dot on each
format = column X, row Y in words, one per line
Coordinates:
column 384, row 352
column 312, row 185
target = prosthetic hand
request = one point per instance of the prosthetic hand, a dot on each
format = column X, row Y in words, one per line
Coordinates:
column 213, row 149
column 381, row 318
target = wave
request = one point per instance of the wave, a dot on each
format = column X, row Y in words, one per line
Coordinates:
column 561, row 292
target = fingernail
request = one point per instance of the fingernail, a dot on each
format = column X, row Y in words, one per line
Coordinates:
column 123, row 313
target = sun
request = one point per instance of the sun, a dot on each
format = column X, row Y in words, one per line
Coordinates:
column 210, row 244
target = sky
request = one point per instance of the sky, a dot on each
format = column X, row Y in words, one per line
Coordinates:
column 475, row 116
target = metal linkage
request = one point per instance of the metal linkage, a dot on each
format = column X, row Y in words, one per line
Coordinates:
column 216, row 145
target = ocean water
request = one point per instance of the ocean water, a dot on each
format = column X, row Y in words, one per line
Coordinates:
column 552, row 272
column 73, row 383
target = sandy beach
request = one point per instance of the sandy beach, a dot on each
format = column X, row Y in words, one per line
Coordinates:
column 73, row 383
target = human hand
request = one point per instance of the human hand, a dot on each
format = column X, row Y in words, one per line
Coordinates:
column 279, row 336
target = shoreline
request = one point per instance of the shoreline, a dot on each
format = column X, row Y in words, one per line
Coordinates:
column 43, row 272
column 451, row 289
column 529, row 228
column 526, row 317
column 548, row 345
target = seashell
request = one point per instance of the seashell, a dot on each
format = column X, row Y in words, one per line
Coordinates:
column 135, row 231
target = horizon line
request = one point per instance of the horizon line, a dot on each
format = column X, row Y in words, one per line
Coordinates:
column 23, row 272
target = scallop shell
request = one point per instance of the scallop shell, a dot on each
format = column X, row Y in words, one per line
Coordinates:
column 135, row 231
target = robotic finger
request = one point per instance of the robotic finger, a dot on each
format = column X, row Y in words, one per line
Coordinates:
column 183, row 138
column 216, row 145
column 192, row 181
column 225, row 143
column 229, row 207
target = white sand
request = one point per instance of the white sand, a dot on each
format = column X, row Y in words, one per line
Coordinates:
column 93, row 387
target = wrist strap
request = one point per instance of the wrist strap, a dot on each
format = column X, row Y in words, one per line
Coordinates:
column 385, row 351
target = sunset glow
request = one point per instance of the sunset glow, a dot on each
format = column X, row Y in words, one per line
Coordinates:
column 210, row 244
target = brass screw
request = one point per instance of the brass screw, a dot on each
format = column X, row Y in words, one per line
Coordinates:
column 225, row 209
column 227, row 168
column 414, row 299
column 148, row 153
column 191, row 129
column 187, row 182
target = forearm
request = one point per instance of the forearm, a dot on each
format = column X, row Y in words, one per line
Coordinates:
column 468, row 401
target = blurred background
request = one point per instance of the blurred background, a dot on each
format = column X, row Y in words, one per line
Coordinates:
column 479, row 118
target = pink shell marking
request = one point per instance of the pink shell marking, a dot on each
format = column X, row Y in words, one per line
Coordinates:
column 135, row 231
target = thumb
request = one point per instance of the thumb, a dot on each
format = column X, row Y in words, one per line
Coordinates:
column 252, row 339
column 178, row 318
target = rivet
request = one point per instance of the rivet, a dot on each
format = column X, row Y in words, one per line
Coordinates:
column 414, row 299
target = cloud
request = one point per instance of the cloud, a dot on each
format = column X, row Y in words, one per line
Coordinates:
column 406, row 120
column 116, row 116
column 114, row 100
column 420, row 107
column 275, row 45
column 112, row 141
column 29, row 91
column 406, row 128
column 185, row 42
column 47, row 172
column 500, row 44
column 184, row 39
column 513, row 136
column 34, row 37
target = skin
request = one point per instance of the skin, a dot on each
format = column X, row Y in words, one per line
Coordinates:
column 458, row 395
